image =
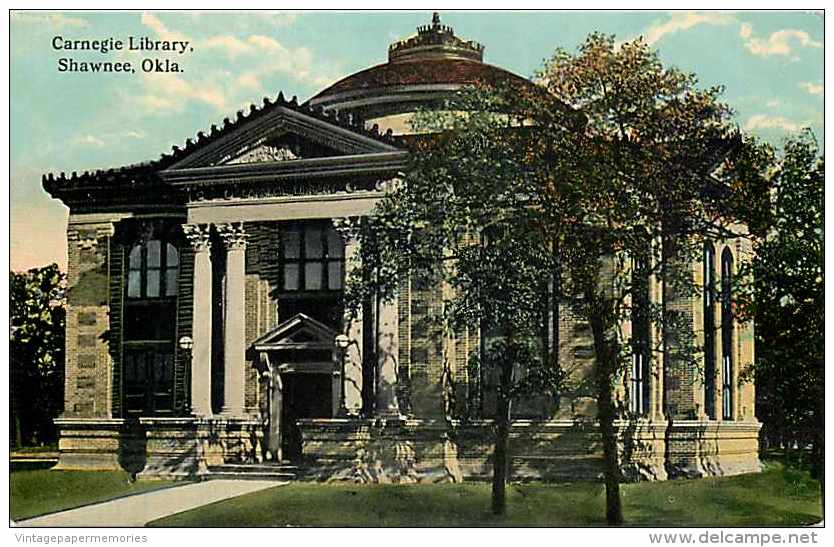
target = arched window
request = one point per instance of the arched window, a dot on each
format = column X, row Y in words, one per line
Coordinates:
column 149, row 327
column 709, row 329
column 640, row 339
column 152, row 270
column 727, row 334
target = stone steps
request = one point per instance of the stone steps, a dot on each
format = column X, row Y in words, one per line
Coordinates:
column 253, row 471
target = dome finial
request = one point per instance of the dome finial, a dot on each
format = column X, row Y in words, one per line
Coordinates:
column 435, row 41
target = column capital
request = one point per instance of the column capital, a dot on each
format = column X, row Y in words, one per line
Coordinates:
column 233, row 235
column 198, row 235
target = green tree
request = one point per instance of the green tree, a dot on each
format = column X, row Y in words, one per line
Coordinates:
column 636, row 193
column 464, row 219
column 787, row 302
column 518, row 197
column 36, row 348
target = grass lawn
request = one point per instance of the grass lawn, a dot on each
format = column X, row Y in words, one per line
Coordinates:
column 41, row 491
column 778, row 496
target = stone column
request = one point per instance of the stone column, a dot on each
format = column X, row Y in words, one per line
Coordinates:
column 234, row 319
column 657, row 350
column 655, row 378
column 198, row 236
column 387, row 336
column 352, row 379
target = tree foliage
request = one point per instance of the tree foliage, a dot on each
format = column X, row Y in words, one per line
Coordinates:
column 787, row 301
column 515, row 198
column 36, row 349
column 636, row 193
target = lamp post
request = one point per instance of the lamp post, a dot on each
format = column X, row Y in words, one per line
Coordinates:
column 342, row 342
column 186, row 344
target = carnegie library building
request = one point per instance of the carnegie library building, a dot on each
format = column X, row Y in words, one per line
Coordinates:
column 207, row 336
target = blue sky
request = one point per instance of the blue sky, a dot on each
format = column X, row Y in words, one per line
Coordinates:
column 771, row 64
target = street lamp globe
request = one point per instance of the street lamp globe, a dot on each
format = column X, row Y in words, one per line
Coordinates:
column 186, row 343
column 342, row 341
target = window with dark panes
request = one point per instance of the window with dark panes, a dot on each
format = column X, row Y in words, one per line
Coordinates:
column 152, row 270
column 149, row 327
column 709, row 330
column 312, row 271
column 313, row 258
column 640, row 338
column 727, row 334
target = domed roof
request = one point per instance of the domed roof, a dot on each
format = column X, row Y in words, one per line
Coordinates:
column 421, row 70
column 414, row 72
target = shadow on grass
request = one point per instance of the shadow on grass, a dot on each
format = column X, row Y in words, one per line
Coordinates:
column 778, row 496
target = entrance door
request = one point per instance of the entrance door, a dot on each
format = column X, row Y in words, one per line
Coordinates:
column 305, row 395
column 148, row 382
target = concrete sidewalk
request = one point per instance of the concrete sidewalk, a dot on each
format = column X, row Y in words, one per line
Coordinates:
column 139, row 509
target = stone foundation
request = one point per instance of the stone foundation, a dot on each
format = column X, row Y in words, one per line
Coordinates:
column 185, row 447
column 707, row 449
column 410, row 450
column 169, row 448
column 564, row 450
column 90, row 444
column 378, row 451
column 405, row 451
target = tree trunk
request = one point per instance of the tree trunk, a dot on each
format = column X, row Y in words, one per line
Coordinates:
column 818, row 453
column 606, row 365
column 613, row 503
column 18, row 429
column 500, row 460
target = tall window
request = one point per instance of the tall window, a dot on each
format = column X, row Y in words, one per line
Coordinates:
column 149, row 328
column 640, row 339
column 709, row 330
column 312, row 271
column 152, row 273
column 727, row 334
column 313, row 258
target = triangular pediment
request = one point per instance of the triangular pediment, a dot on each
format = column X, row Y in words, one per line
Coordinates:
column 279, row 135
column 299, row 332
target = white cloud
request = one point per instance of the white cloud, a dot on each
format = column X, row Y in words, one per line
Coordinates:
column 167, row 91
column 778, row 43
column 746, row 30
column 230, row 45
column 249, row 80
column 256, row 58
column 772, row 103
column 89, row 140
column 155, row 24
column 245, row 20
column 683, row 20
column 763, row 121
column 812, row 88
column 53, row 20
column 106, row 139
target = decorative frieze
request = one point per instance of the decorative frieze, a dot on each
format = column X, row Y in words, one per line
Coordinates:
column 199, row 192
column 266, row 153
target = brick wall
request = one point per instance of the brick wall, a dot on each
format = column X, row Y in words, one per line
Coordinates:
column 263, row 278
column 88, row 385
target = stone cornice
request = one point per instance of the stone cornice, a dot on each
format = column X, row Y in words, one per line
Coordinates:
column 315, row 176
